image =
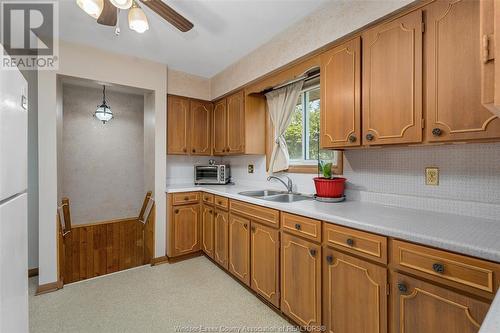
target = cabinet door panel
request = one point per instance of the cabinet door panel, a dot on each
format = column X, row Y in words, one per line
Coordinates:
column 177, row 125
column 353, row 289
column 200, row 129
column 186, row 225
column 392, row 82
column 235, row 124
column 239, row 247
column 341, row 96
column 207, row 223
column 423, row 307
column 264, row 262
column 301, row 280
column 220, row 127
column 454, row 96
column 221, row 237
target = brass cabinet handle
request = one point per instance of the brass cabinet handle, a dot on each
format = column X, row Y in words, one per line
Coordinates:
column 438, row 268
column 298, row 226
column 176, row 211
column 184, row 150
column 402, row 287
column 186, row 198
column 210, row 211
column 194, row 150
column 437, row 132
column 312, row 252
column 370, row 137
column 352, row 138
column 350, row 241
column 329, row 259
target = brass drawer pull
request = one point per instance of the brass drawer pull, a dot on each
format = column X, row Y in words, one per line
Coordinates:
column 438, row 268
column 370, row 137
column 402, row 287
column 176, row 211
column 329, row 259
column 350, row 241
column 312, row 252
column 437, row 132
column 352, row 138
column 298, row 226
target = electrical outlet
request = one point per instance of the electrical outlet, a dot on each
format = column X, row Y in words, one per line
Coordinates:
column 432, row 176
column 250, row 168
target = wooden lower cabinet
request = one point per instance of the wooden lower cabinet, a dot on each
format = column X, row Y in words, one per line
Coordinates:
column 239, row 247
column 301, row 280
column 418, row 307
column 221, row 237
column 207, row 230
column 185, row 229
column 354, row 294
column 264, row 262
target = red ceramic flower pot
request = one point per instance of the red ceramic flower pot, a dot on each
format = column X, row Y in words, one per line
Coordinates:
column 329, row 188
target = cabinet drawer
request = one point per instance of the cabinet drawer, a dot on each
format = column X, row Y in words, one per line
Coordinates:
column 185, row 198
column 221, row 202
column 361, row 243
column 207, row 198
column 261, row 214
column 301, row 226
column 448, row 267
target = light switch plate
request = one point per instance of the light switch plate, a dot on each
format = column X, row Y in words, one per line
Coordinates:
column 250, row 168
column 432, row 176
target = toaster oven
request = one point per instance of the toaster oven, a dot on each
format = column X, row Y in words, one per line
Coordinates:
column 212, row 174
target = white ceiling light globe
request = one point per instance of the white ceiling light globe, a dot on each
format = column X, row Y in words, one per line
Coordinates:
column 137, row 20
column 122, row 4
column 91, row 7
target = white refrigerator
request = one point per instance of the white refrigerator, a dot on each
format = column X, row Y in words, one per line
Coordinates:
column 13, row 202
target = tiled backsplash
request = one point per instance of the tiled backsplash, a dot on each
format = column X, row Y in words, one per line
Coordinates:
column 469, row 181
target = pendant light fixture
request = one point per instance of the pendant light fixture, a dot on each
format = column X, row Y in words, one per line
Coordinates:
column 103, row 111
column 137, row 19
column 121, row 4
column 91, row 7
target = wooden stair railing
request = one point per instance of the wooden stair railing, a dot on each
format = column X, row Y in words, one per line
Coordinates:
column 105, row 247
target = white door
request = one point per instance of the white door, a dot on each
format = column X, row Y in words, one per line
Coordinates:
column 14, row 265
column 13, row 134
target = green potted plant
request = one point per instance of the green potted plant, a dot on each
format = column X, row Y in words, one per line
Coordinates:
column 328, row 186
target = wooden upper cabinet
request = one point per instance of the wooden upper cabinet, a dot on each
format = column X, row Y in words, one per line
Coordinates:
column 207, row 230
column 341, row 96
column 185, row 229
column 221, row 237
column 355, row 295
column 455, row 57
column 392, row 81
column 239, row 247
column 422, row 307
column 200, row 128
column 177, row 125
column 264, row 262
column 301, row 280
column 235, row 123
column 219, row 127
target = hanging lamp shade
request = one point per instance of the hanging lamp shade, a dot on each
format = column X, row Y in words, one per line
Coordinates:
column 103, row 111
column 137, row 19
column 121, row 4
column 91, row 7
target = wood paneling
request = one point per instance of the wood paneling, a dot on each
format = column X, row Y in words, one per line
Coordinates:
column 354, row 294
column 239, row 247
column 177, row 124
column 236, row 123
column 301, row 226
column 392, row 81
column 422, row 307
column 185, row 227
column 301, row 280
column 93, row 250
column 264, row 262
column 201, row 128
column 207, row 227
column 453, row 42
column 221, row 237
column 219, row 127
column 341, row 96
column 357, row 242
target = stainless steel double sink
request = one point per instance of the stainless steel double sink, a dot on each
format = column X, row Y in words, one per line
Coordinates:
column 276, row 196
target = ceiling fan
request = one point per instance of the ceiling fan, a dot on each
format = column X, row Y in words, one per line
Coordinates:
column 106, row 13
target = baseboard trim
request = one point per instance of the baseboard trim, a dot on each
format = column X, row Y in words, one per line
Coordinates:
column 159, row 261
column 48, row 287
column 183, row 257
column 32, row 272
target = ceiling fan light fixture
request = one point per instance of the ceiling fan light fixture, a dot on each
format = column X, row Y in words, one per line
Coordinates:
column 121, row 4
column 137, row 19
column 91, row 7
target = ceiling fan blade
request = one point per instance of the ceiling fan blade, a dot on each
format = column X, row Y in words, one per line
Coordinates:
column 109, row 14
column 169, row 14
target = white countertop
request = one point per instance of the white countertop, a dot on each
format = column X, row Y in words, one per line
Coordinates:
column 477, row 237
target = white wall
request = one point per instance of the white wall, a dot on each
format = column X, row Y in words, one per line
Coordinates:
column 98, row 65
column 102, row 164
column 184, row 84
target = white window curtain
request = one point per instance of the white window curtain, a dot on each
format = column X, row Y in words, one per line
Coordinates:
column 281, row 104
